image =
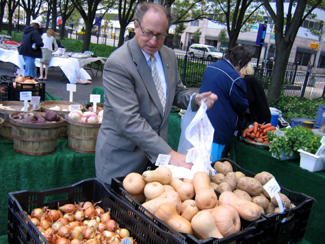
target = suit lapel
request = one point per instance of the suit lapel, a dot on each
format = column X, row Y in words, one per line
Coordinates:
column 145, row 73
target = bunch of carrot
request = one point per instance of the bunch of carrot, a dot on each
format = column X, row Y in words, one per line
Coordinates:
column 258, row 132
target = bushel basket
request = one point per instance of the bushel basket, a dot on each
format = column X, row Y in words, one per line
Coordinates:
column 35, row 139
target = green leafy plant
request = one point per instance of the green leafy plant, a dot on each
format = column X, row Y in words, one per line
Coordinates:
column 293, row 139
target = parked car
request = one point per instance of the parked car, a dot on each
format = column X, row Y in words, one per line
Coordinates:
column 204, row 51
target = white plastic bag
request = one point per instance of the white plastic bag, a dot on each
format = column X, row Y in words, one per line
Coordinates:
column 199, row 134
column 184, row 145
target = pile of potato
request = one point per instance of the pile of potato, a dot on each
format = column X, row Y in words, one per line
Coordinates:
column 206, row 206
column 40, row 118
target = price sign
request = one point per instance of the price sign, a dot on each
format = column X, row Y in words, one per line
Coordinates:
column 25, row 96
column 162, row 160
column 273, row 188
column 74, row 107
column 35, row 101
column 71, row 88
column 94, row 99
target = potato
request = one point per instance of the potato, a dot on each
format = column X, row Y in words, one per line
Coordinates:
column 270, row 209
column 251, row 185
column 285, row 201
column 213, row 185
column 218, row 178
column 243, row 194
column 239, row 175
column 264, row 177
column 261, row 200
column 223, row 186
column 231, row 180
column 223, row 167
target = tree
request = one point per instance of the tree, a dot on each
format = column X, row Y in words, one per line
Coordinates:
column 32, row 9
column 126, row 9
column 222, row 37
column 65, row 11
column 88, row 10
column 2, row 11
column 179, row 29
column 12, row 5
column 235, row 15
column 287, row 17
column 196, row 35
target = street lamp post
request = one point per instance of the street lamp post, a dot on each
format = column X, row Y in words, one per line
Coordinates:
column 312, row 79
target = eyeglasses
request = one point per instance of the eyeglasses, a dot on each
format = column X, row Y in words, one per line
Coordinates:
column 150, row 34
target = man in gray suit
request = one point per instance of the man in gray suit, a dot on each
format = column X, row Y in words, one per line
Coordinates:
column 134, row 129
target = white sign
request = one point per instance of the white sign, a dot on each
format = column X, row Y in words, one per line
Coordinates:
column 162, row 160
column 272, row 187
column 74, row 107
column 25, row 96
column 35, row 101
column 94, row 98
column 71, row 88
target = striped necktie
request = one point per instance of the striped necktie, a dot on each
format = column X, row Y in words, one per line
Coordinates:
column 157, row 81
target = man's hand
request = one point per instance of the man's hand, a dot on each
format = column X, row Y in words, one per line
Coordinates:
column 211, row 98
column 179, row 160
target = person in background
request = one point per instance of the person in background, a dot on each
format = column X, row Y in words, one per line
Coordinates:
column 269, row 66
column 134, row 130
column 49, row 39
column 259, row 110
column 30, row 47
column 309, row 67
column 223, row 79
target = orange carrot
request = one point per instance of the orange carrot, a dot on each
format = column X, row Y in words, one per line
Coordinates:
column 255, row 127
column 250, row 129
column 265, row 126
column 258, row 133
column 270, row 128
column 252, row 135
column 245, row 132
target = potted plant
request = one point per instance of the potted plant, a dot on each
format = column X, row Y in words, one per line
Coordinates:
column 286, row 142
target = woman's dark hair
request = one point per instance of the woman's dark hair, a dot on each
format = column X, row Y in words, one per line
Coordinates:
column 240, row 55
column 143, row 7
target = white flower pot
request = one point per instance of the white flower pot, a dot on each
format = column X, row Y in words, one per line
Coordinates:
column 311, row 162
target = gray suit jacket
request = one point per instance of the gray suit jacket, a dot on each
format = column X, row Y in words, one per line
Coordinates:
column 134, row 128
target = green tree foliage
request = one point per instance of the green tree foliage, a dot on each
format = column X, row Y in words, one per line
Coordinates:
column 196, row 35
column 222, row 37
column 236, row 15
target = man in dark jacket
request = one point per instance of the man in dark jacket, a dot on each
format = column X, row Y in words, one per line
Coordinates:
column 31, row 48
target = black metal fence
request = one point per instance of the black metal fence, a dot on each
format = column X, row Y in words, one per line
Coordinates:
column 296, row 83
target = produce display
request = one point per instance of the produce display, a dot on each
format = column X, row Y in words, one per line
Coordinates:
column 206, row 206
column 31, row 118
column 87, row 117
column 258, row 132
column 25, row 80
column 78, row 223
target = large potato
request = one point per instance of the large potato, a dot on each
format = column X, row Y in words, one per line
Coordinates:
column 223, row 167
column 264, row 177
column 231, row 180
column 251, row 185
column 224, row 186
column 243, row 194
column 285, row 201
column 218, row 178
column 262, row 201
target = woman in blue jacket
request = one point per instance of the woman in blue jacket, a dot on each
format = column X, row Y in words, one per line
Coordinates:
column 223, row 79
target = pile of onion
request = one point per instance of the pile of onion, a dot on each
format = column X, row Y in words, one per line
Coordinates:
column 87, row 117
column 82, row 223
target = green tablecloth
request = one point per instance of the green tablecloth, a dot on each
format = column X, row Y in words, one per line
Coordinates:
column 62, row 168
column 289, row 175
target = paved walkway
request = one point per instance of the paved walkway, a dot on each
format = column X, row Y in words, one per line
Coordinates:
column 56, row 84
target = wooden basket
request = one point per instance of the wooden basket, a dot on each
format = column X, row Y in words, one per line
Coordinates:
column 16, row 106
column 35, row 139
column 63, row 105
column 82, row 136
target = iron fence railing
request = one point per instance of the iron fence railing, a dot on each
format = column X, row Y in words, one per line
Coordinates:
column 296, row 83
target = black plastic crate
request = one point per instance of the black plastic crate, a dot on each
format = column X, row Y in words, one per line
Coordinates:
column 291, row 225
column 21, row 230
column 37, row 89
column 3, row 92
column 251, row 232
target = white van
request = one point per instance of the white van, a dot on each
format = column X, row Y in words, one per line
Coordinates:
column 209, row 52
